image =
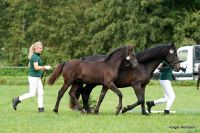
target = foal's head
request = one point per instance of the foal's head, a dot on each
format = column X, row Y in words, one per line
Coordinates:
column 172, row 57
column 122, row 54
column 131, row 57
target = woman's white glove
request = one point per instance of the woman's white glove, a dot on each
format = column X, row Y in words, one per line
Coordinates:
column 47, row 67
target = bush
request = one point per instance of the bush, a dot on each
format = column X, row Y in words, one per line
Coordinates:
column 13, row 71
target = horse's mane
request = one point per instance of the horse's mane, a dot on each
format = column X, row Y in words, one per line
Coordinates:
column 95, row 58
column 111, row 54
column 153, row 53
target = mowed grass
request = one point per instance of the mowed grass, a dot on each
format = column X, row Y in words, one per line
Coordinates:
column 27, row 120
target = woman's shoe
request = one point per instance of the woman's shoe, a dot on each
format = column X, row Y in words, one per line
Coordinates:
column 40, row 110
column 15, row 101
column 166, row 112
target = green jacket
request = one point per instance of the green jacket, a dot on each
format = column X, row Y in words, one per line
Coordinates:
column 32, row 72
column 166, row 72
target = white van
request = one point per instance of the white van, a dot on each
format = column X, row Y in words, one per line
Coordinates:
column 190, row 55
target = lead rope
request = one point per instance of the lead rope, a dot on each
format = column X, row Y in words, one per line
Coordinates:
column 45, row 74
column 181, row 74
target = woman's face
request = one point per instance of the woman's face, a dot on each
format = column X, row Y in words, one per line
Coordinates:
column 39, row 49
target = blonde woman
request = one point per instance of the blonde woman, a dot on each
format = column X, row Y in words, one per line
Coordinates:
column 165, row 78
column 34, row 77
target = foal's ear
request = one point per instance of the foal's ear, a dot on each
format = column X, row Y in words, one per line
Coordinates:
column 131, row 47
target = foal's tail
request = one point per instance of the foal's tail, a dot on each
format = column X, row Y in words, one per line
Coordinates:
column 56, row 73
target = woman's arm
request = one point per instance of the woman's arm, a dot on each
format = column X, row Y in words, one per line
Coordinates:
column 35, row 64
column 160, row 66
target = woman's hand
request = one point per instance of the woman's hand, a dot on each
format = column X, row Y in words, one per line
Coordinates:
column 47, row 67
column 41, row 67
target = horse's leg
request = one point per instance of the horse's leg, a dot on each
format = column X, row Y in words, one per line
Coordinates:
column 143, row 102
column 101, row 97
column 136, row 88
column 72, row 93
column 85, row 96
column 198, row 82
column 60, row 95
column 114, row 88
column 139, row 93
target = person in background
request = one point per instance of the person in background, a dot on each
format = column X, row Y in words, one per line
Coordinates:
column 35, row 73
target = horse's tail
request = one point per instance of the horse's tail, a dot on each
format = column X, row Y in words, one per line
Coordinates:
column 56, row 73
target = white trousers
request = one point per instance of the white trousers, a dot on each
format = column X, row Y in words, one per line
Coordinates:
column 35, row 85
column 169, row 95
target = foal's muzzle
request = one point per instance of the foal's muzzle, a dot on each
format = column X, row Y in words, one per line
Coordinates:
column 134, row 63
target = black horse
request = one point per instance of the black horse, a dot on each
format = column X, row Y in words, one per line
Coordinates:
column 102, row 72
column 138, row 77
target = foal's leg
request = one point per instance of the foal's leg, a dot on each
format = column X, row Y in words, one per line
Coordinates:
column 72, row 103
column 72, row 93
column 60, row 95
column 114, row 88
column 143, row 103
column 101, row 97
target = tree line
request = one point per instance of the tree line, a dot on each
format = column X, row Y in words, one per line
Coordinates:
column 76, row 28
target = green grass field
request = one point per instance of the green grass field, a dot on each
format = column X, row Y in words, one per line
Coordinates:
column 26, row 119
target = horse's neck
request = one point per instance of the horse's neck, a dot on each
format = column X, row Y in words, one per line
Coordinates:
column 153, row 62
column 153, row 65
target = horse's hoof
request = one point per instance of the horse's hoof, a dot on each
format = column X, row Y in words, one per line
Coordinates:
column 55, row 110
column 145, row 113
column 124, row 110
column 89, row 112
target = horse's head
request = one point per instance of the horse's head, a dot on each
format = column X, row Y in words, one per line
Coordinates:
column 172, row 57
column 130, row 56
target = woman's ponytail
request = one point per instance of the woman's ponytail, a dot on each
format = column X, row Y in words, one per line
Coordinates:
column 31, row 50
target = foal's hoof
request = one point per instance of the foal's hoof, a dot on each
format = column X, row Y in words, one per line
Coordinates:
column 83, row 111
column 96, row 112
column 55, row 110
column 118, row 110
column 124, row 110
